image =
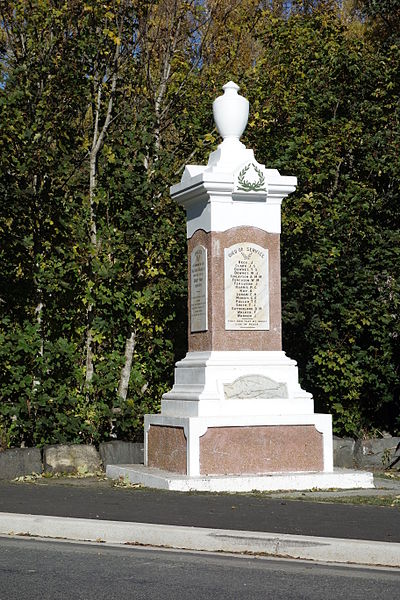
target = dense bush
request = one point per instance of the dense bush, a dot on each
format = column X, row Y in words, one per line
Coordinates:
column 101, row 105
column 328, row 111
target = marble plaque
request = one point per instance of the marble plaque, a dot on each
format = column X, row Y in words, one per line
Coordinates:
column 246, row 287
column 255, row 386
column 198, row 290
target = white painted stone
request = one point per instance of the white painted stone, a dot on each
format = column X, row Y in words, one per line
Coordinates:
column 155, row 478
column 233, row 189
column 211, row 204
column 231, row 112
column 236, row 407
column 200, row 379
column 246, row 287
column 198, row 400
column 198, row 289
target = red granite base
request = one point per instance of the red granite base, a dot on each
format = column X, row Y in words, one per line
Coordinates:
column 261, row 449
column 239, row 450
column 167, row 449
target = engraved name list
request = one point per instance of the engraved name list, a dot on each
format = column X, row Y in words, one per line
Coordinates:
column 246, row 287
column 198, row 289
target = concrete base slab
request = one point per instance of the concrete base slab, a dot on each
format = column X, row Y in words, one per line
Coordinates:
column 335, row 550
column 164, row 480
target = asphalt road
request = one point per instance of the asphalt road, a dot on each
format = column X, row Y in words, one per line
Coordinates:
column 221, row 511
column 31, row 570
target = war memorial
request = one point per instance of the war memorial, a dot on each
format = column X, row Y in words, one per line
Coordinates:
column 236, row 418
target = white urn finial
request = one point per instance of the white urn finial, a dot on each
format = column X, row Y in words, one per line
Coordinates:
column 231, row 112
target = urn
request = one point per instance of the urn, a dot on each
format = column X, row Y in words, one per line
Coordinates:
column 231, row 112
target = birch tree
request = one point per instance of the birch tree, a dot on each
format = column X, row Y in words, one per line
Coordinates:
column 182, row 47
column 107, row 27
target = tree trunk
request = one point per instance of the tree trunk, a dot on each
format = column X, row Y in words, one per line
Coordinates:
column 93, row 243
column 97, row 143
column 126, row 369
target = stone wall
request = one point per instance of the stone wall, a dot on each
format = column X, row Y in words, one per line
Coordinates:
column 67, row 458
column 375, row 454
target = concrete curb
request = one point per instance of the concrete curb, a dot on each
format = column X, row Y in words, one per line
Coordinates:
column 197, row 538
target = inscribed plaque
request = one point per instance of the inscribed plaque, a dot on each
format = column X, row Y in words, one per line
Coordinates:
column 198, row 289
column 246, row 287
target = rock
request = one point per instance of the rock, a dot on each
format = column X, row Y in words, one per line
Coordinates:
column 121, row 453
column 65, row 458
column 18, row 462
column 343, row 452
column 376, row 453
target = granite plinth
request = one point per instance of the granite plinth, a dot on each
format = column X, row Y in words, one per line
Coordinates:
column 260, row 449
column 166, row 448
column 239, row 445
column 238, row 450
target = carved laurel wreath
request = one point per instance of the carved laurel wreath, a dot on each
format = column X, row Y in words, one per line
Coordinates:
column 249, row 186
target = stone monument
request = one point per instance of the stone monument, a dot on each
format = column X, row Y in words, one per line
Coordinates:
column 236, row 418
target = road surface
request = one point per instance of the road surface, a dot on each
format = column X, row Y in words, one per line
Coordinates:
column 48, row 570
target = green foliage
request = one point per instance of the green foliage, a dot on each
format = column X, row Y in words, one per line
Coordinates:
column 383, row 19
column 133, row 280
column 327, row 110
column 324, row 106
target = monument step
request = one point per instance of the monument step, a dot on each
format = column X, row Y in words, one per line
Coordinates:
column 156, row 478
